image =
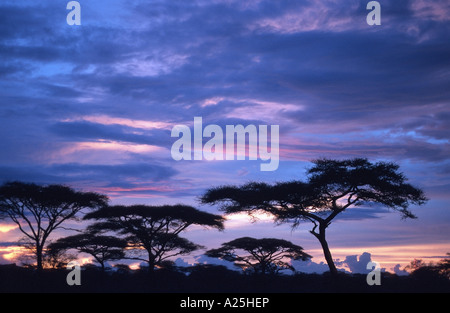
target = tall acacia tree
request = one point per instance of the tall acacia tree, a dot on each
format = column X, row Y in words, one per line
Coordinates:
column 39, row 210
column 154, row 229
column 332, row 187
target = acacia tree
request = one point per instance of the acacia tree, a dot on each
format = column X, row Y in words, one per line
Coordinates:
column 39, row 210
column 154, row 229
column 332, row 187
column 102, row 248
column 266, row 255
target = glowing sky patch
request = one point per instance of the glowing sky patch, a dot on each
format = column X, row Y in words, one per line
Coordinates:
column 4, row 228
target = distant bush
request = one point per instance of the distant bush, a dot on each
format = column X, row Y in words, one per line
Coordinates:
column 212, row 279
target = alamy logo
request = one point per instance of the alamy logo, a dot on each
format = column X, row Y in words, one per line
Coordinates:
column 74, row 276
column 374, row 16
column 213, row 149
column 74, row 16
column 374, row 276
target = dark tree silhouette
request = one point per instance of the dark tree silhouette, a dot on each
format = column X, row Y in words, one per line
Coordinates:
column 266, row 255
column 443, row 267
column 155, row 229
column 332, row 187
column 420, row 267
column 39, row 210
column 102, row 248
column 57, row 258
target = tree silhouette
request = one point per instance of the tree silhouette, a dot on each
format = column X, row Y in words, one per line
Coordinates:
column 332, row 186
column 155, row 229
column 102, row 248
column 443, row 267
column 266, row 255
column 57, row 258
column 39, row 210
column 420, row 267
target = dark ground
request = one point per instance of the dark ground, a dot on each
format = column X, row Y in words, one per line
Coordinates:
column 211, row 279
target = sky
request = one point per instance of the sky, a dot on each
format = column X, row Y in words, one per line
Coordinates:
column 92, row 106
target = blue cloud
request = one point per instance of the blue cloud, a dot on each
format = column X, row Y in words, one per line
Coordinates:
column 79, row 131
column 359, row 264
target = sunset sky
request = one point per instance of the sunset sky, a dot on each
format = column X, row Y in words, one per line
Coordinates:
column 92, row 106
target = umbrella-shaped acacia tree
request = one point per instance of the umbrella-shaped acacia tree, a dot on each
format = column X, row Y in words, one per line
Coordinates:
column 39, row 210
column 102, row 248
column 332, row 187
column 262, row 256
column 154, row 229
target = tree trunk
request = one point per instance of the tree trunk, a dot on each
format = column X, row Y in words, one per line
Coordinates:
column 151, row 262
column 326, row 250
column 151, row 267
column 39, row 257
column 262, row 266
